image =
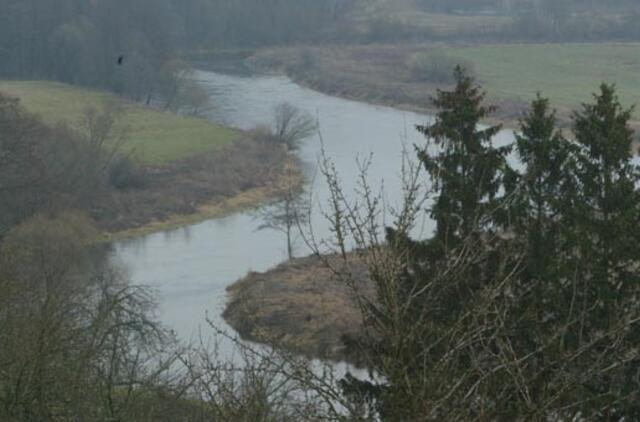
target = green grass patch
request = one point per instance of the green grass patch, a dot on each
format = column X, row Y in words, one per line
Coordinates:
column 566, row 73
column 154, row 137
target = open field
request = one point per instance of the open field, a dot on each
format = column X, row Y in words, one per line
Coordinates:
column 567, row 73
column 511, row 74
column 154, row 137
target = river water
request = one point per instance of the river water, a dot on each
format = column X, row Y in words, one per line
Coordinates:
column 190, row 267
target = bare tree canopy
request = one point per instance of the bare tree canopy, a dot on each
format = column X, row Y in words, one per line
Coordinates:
column 288, row 210
column 292, row 125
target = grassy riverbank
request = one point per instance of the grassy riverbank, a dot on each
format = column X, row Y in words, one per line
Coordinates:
column 190, row 208
column 300, row 306
column 154, row 137
column 511, row 74
column 191, row 169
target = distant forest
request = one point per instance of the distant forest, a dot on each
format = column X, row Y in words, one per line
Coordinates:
column 131, row 46
column 510, row 6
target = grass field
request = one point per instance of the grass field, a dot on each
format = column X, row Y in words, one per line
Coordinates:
column 567, row 73
column 154, row 137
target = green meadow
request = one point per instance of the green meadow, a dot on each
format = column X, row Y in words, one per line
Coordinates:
column 153, row 136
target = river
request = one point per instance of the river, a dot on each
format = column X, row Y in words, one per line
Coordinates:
column 190, row 268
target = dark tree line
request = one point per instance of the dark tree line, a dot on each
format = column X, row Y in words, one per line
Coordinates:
column 219, row 23
column 132, row 47
column 128, row 46
column 515, row 6
column 80, row 42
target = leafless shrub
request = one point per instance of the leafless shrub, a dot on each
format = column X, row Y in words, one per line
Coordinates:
column 179, row 90
column 292, row 126
column 104, row 137
column 288, row 210
column 76, row 342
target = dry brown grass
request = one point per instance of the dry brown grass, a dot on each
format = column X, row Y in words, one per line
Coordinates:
column 187, row 191
column 298, row 305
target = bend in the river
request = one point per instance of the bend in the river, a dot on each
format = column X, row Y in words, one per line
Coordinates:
column 191, row 267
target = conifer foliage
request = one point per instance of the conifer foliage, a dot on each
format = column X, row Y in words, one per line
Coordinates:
column 468, row 170
column 525, row 303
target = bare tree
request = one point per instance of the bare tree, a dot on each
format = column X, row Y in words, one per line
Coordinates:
column 179, row 90
column 195, row 99
column 288, row 210
column 105, row 137
column 292, row 125
column 77, row 342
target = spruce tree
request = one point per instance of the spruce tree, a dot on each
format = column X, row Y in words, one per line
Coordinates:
column 467, row 172
column 430, row 292
column 541, row 196
column 609, row 204
column 604, row 243
column 543, row 324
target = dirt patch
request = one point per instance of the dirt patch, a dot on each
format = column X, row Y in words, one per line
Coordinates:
column 299, row 305
column 239, row 175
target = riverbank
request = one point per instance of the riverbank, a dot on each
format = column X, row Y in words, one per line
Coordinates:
column 151, row 136
column 238, row 177
column 170, row 170
column 512, row 74
column 299, row 305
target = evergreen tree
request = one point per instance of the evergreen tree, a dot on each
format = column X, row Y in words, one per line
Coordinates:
column 608, row 209
column 433, row 280
column 543, row 151
column 542, row 195
column 468, row 170
column 601, row 247
column 473, row 325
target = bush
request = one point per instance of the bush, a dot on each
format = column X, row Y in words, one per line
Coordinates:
column 125, row 174
column 437, row 67
column 291, row 126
